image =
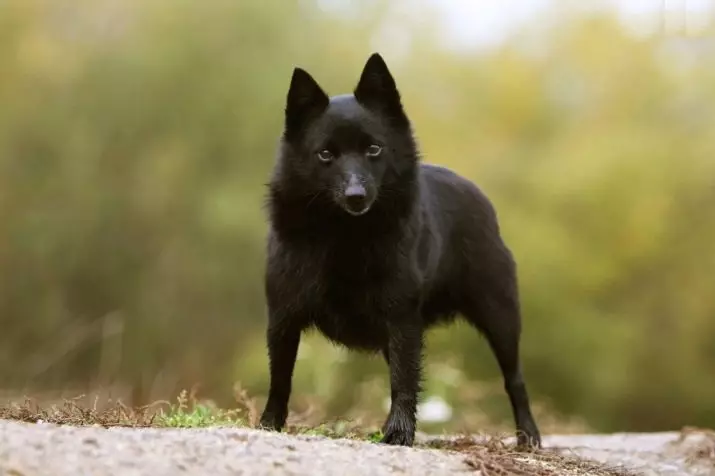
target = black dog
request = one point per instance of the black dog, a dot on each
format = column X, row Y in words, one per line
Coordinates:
column 372, row 248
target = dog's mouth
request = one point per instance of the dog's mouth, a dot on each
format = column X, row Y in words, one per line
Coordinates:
column 357, row 213
column 356, row 206
column 356, row 200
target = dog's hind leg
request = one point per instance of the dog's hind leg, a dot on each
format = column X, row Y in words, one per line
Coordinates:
column 494, row 311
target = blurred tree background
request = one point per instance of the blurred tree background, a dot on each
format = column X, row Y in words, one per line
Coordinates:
column 136, row 138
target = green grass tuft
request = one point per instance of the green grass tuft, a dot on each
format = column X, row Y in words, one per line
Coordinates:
column 196, row 415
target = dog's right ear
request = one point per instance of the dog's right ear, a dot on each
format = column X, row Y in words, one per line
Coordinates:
column 306, row 99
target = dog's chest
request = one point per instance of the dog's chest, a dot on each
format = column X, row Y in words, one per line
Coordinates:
column 351, row 314
column 349, row 305
column 346, row 296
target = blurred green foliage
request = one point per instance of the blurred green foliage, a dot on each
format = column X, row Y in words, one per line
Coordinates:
column 136, row 138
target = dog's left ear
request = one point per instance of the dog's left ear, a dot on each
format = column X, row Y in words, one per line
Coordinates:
column 377, row 90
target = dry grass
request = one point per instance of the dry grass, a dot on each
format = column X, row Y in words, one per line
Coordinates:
column 491, row 456
column 70, row 413
column 187, row 411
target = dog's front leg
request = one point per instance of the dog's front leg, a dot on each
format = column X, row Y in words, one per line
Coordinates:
column 283, row 336
column 404, row 354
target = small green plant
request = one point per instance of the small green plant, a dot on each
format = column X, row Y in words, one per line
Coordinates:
column 375, row 437
column 188, row 413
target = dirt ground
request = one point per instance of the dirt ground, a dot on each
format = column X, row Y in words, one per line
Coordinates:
column 34, row 449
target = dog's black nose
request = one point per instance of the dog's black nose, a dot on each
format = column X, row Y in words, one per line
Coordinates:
column 355, row 196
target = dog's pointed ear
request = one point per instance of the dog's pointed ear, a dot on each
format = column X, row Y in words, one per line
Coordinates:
column 377, row 90
column 305, row 100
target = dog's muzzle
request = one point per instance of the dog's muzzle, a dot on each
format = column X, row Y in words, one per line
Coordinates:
column 356, row 199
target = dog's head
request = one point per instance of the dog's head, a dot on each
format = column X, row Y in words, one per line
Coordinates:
column 347, row 146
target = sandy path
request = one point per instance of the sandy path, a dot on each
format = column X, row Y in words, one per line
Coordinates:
column 44, row 449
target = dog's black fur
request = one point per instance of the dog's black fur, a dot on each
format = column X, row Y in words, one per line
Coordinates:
column 372, row 248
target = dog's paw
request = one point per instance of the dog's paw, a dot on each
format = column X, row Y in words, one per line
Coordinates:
column 398, row 438
column 271, row 422
column 398, row 433
column 528, row 439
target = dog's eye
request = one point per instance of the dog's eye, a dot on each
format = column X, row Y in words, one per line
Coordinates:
column 325, row 156
column 374, row 150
